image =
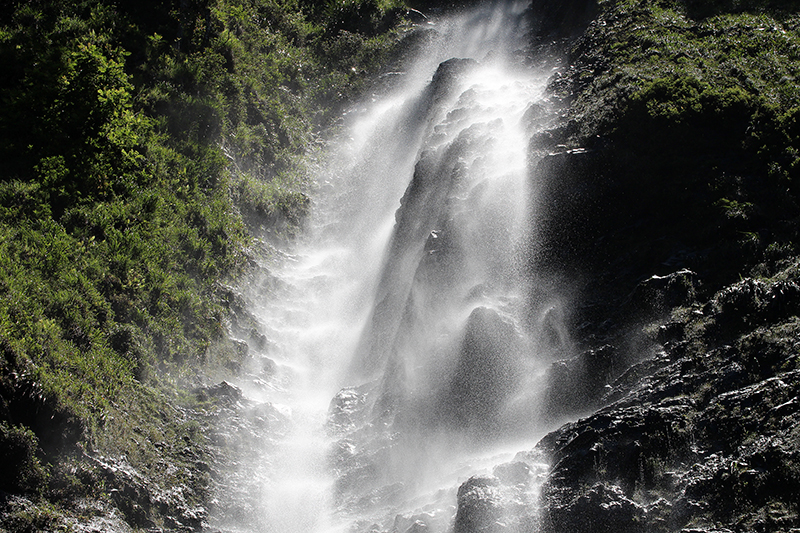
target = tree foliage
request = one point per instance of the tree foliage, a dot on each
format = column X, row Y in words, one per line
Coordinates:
column 137, row 141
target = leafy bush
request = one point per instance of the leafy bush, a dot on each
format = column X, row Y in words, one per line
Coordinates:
column 139, row 143
column 20, row 468
column 686, row 101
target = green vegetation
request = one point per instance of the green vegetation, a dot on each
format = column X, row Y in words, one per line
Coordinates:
column 701, row 99
column 688, row 110
column 142, row 144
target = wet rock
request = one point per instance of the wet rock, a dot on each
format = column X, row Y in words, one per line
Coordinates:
column 417, row 527
column 222, row 392
column 366, row 467
column 480, row 507
column 505, row 503
column 536, row 116
column 708, row 529
column 670, row 332
column 131, row 492
column 695, row 435
column 751, row 302
column 241, row 437
column 259, row 342
column 575, row 385
column 361, row 474
column 418, row 523
column 97, row 517
column 448, row 73
column 380, row 497
column 438, row 519
column 569, row 213
column 268, row 366
column 514, row 473
column 603, row 508
column 760, row 407
column 346, row 411
column 486, row 373
column 658, row 294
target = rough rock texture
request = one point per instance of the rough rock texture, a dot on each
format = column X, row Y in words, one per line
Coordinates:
column 698, row 436
column 672, row 244
column 486, row 373
column 241, row 434
column 701, row 437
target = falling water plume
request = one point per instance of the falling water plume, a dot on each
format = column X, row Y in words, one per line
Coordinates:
column 405, row 361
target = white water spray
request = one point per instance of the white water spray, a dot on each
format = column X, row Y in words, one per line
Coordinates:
column 405, row 301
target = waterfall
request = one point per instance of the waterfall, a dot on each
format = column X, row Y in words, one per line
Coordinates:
column 404, row 356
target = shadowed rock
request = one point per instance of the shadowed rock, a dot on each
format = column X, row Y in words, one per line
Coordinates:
column 421, row 209
column 480, row 508
column 486, row 374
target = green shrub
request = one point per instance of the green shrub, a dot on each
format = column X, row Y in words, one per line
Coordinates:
column 20, row 468
column 139, row 144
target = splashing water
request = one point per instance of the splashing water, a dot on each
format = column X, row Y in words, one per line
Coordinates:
column 405, row 358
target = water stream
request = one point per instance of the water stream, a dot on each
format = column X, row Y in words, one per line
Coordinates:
column 405, row 356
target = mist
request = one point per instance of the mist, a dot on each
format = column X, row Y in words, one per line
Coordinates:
column 409, row 354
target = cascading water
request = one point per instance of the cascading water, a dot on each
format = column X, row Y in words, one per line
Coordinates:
column 405, row 358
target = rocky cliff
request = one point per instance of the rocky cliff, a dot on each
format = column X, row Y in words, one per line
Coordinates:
column 666, row 222
column 669, row 218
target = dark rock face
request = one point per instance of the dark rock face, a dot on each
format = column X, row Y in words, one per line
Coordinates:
column 704, row 434
column 479, row 506
column 570, row 201
column 486, row 373
column 659, row 294
column 603, row 508
column 561, row 20
column 687, row 367
column 574, row 385
column 502, row 502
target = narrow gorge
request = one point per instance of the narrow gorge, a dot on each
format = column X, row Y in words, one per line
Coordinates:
column 457, row 298
column 513, row 266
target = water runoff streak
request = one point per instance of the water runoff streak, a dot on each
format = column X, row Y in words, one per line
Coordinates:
column 405, row 360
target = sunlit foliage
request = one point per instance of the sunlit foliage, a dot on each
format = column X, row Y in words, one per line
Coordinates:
column 138, row 142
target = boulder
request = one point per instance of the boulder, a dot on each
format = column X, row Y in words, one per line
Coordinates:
column 480, row 508
column 486, row 374
column 346, row 411
column 656, row 295
column 223, row 392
